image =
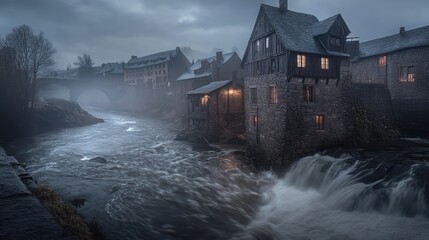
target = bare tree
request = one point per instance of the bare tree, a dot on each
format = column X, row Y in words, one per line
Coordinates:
column 34, row 53
column 84, row 64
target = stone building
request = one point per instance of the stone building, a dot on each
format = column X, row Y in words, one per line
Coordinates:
column 204, row 71
column 156, row 72
column 113, row 72
column 216, row 108
column 294, row 84
column 400, row 63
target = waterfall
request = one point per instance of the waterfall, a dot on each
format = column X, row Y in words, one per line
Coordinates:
column 322, row 197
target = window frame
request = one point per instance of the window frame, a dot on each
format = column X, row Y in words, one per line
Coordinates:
column 273, row 94
column 306, row 95
column 324, row 63
column 320, row 122
column 407, row 74
column 382, row 60
column 301, row 61
column 253, row 92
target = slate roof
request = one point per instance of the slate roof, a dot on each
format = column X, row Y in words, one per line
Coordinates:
column 152, row 59
column 298, row 31
column 324, row 26
column 418, row 37
column 209, row 88
column 116, row 68
column 190, row 74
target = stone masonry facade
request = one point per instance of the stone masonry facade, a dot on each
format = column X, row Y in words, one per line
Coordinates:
column 287, row 130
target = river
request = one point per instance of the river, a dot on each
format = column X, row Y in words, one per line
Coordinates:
column 152, row 187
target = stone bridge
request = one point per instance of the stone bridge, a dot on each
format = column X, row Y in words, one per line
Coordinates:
column 113, row 89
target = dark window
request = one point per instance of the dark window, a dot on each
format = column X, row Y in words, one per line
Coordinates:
column 320, row 122
column 407, row 74
column 254, row 120
column 308, row 93
column 253, row 96
column 273, row 65
column 274, row 95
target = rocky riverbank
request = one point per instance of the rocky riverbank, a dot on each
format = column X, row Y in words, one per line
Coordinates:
column 52, row 114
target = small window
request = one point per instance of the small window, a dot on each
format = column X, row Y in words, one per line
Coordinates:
column 320, row 122
column 308, row 93
column 253, row 96
column 258, row 46
column 267, row 42
column 382, row 60
column 407, row 74
column 324, row 63
column 301, row 61
column 204, row 101
column 273, row 65
column 274, row 94
column 254, row 120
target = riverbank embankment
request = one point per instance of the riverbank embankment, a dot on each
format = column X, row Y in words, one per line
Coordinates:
column 22, row 216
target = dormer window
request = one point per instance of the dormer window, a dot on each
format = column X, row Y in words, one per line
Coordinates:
column 382, row 60
column 324, row 63
column 301, row 61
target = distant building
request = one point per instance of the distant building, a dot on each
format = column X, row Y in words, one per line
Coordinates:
column 293, row 83
column 399, row 62
column 216, row 108
column 156, row 71
column 204, row 71
column 110, row 72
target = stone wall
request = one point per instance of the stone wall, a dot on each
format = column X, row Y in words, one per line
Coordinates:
column 287, row 130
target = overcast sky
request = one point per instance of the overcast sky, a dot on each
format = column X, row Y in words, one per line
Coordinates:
column 113, row 30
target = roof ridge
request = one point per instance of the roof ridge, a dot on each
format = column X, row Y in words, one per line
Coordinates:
column 396, row 34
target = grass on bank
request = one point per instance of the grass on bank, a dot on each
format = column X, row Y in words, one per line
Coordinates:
column 67, row 215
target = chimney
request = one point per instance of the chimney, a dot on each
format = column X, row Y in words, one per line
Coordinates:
column 219, row 57
column 133, row 56
column 402, row 31
column 283, row 6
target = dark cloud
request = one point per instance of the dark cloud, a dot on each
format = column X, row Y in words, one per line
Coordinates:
column 111, row 30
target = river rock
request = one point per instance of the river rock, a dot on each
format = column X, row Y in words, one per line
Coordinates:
column 78, row 202
column 98, row 160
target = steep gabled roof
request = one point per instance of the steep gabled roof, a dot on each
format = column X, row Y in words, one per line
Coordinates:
column 294, row 29
column 325, row 26
column 209, row 88
column 298, row 31
column 190, row 74
column 152, row 59
column 418, row 37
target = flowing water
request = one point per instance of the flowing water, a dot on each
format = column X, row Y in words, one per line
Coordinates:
column 151, row 187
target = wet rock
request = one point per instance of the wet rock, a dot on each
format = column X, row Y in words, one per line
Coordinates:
column 98, row 160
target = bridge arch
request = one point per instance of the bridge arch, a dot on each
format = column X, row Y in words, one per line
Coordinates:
column 95, row 97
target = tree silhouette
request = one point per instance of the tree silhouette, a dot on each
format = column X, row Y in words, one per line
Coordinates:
column 84, row 64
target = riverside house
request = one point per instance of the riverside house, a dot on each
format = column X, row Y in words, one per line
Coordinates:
column 400, row 64
column 293, row 84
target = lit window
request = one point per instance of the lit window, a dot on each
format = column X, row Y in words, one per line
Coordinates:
column 382, row 60
column 308, row 93
column 301, row 61
column 324, row 63
column 267, row 42
column 320, row 122
column 204, row 101
column 258, row 46
column 407, row 74
column 274, row 94
column 253, row 96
